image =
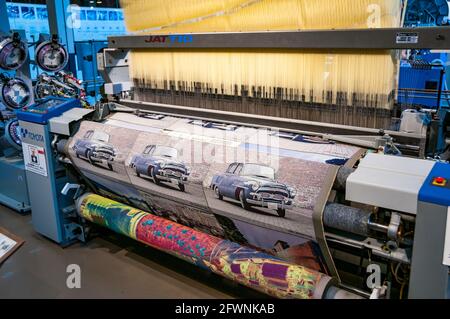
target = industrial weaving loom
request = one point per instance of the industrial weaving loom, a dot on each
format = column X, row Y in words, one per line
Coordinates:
column 255, row 139
column 277, row 59
column 351, row 87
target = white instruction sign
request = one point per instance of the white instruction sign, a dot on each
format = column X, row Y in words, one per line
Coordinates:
column 34, row 157
column 6, row 244
column 447, row 241
column 407, row 38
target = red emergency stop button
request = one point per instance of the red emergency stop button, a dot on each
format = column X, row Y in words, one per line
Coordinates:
column 440, row 181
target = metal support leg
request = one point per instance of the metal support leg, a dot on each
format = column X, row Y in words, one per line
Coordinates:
column 429, row 277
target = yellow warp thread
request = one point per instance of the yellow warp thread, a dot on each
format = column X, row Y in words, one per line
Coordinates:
column 172, row 16
column 311, row 76
column 306, row 74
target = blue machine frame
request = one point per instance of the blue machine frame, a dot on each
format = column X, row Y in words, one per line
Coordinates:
column 46, row 176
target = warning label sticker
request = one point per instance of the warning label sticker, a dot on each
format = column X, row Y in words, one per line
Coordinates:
column 34, row 157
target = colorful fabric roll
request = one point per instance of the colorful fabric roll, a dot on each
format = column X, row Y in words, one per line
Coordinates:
column 246, row 266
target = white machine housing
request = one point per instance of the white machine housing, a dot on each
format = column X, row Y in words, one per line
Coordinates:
column 392, row 184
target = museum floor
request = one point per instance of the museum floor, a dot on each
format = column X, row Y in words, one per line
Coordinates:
column 111, row 267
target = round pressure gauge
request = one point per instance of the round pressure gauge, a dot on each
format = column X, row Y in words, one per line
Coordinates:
column 12, row 134
column 13, row 53
column 51, row 56
column 15, row 93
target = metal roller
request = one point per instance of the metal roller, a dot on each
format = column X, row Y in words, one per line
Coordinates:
column 340, row 294
column 360, row 222
column 342, row 176
column 348, row 219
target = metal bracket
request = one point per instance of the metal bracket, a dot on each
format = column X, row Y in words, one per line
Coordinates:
column 387, row 143
column 113, row 65
column 68, row 187
column 394, row 226
column 379, row 292
column 74, row 231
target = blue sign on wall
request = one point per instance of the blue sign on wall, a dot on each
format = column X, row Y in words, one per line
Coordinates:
column 93, row 23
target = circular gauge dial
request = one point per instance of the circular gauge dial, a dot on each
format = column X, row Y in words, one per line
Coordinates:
column 13, row 134
column 51, row 57
column 15, row 94
column 12, row 54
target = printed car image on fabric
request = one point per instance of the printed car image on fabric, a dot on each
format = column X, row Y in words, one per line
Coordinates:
column 267, row 193
column 161, row 165
column 253, row 185
column 95, row 148
column 100, row 151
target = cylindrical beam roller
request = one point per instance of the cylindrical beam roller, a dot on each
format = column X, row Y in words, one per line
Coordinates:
column 357, row 221
column 348, row 219
column 249, row 267
column 341, row 178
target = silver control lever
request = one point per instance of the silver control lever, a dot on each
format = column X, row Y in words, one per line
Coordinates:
column 68, row 187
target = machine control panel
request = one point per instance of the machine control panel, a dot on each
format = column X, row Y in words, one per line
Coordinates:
column 46, row 109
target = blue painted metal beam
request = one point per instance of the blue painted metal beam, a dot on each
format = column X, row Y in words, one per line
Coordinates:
column 4, row 26
column 58, row 15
